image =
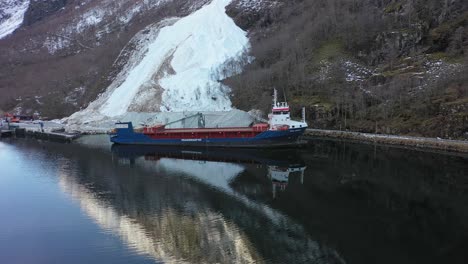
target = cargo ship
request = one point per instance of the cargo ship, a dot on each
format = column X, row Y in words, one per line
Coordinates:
column 279, row 131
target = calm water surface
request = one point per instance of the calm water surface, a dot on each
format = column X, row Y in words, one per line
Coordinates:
column 332, row 202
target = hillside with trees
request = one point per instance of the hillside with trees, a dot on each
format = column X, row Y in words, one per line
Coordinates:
column 382, row 66
column 387, row 66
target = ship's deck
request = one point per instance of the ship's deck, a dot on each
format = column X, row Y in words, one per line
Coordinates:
column 191, row 133
column 161, row 130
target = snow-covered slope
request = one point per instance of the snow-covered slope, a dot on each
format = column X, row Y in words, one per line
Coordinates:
column 204, row 42
column 98, row 17
column 174, row 68
column 11, row 15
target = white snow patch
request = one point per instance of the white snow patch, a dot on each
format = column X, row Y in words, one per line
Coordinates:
column 90, row 18
column 103, row 18
column 196, row 46
column 126, row 18
column 12, row 15
column 256, row 5
column 324, row 71
column 73, row 96
column 217, row 174
column 434, row 71
column 38, row 98
column 54, row 44
column 355, row 72
column 179, row 59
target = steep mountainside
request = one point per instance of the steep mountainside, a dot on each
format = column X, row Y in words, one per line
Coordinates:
column 388, row 66
column 67, row 52
column 11, row 15
column 174, row 67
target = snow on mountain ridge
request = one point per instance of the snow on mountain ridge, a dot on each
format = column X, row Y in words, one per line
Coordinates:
column 256, row 5
column 198, row 56
column 173, row 68
column 188, row 44
column 102, row 16
column 11, row 15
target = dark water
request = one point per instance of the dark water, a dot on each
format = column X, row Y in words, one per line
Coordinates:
column 333, row 202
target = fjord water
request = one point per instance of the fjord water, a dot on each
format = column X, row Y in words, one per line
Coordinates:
column 332, row 202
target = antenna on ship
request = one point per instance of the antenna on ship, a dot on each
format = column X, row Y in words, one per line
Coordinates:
column 275, row 97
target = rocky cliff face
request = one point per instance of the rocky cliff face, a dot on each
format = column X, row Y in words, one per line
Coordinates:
column 390, row 66
column 174, row 67
column 11, row 15
column 67, row 52
column 39, row 10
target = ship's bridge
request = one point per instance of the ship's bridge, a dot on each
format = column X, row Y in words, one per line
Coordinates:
column 281, row 108
column 280, row 117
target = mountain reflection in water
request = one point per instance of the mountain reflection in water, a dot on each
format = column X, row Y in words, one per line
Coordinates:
column 182, row 205
column 332, row 202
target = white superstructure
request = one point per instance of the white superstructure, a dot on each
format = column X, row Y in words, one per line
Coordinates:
column 280, row 117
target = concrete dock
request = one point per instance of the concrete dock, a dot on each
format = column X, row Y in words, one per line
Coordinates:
column 407, row 141
column 52, row 136
column 51, row 132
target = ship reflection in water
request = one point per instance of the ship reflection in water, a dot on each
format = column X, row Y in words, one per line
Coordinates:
column 281, row 166
column 280, row 176
column 184, row 206
column 332, row 202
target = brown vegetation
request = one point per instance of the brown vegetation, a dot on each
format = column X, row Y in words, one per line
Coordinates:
column 302, row 47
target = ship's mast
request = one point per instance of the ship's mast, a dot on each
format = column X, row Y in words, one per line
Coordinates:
column 275, row 97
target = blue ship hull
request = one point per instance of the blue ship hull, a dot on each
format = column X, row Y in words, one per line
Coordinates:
column 269, row 138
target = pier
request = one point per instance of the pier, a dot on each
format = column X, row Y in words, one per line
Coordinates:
column 52, row 136
column 30, row 131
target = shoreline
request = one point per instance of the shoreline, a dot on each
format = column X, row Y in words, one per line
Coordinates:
column 393, row 140
column 421, row 143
